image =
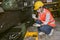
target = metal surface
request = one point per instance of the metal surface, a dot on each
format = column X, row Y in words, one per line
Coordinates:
column 9, row 19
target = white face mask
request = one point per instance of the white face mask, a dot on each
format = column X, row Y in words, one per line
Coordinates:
column 38, row 10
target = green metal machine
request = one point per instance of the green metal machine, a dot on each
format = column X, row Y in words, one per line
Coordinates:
column 15, row 19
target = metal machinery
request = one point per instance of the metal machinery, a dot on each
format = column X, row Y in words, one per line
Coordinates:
column 14, row 21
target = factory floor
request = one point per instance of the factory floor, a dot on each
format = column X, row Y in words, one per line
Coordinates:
column 57, row 30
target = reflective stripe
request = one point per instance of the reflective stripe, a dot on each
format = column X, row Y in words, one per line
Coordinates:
column 47, row 18
column 52, row 22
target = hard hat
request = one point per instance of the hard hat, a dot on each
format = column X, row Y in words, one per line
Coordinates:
column 38, row 4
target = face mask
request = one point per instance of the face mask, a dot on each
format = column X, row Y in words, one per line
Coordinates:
column 38, row 10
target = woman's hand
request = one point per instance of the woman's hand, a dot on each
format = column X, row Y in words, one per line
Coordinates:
column 34, row 16
column 36, row 25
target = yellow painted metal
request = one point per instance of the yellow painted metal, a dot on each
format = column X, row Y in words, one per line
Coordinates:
column 31, row 34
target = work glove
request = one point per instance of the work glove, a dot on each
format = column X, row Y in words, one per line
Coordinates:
column 36, row 25
column 34, row 16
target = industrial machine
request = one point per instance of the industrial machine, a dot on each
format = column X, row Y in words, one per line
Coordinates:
column 15, row 19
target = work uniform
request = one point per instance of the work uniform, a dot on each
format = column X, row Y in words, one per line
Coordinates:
column 44, row 17
column 47, row 19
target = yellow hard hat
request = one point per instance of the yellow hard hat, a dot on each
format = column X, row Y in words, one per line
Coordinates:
column 38, row 4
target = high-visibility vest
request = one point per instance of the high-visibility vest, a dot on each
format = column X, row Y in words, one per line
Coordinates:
column 42, row 17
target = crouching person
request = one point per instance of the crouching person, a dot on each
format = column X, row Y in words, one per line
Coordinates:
column 45, row 21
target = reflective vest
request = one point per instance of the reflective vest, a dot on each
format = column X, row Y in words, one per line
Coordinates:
column 46, row 17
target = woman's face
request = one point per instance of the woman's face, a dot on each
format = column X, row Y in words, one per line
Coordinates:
column 39, row 10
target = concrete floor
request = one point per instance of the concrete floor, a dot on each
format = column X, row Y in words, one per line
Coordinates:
column 57, row 30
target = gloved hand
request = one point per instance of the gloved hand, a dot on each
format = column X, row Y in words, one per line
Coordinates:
column 34, row 16
column 36, row 25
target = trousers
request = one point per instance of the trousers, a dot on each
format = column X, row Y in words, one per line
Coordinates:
column 44, row 28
